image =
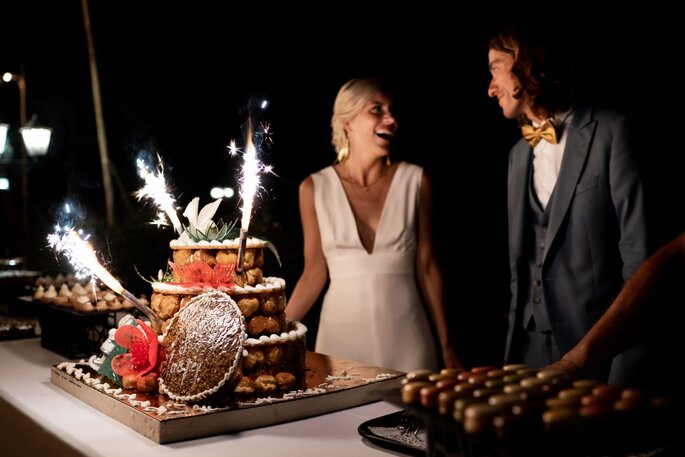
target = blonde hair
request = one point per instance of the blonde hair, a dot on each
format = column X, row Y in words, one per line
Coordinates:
column 351, row 99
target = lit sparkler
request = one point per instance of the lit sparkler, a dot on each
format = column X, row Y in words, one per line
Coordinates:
column 82, row 256
column 249, row 184
column 155, row 188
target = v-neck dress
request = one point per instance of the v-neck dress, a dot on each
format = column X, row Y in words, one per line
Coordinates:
column 372, row 311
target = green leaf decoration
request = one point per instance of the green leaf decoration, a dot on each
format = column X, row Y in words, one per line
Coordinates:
column 167, row 276
column 106, row 368
column 269, row 245
column 195, row 234
column 221, row 234
column 273, row 250
column 234, row 232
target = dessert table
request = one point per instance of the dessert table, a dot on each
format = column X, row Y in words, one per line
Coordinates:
column 39, row 418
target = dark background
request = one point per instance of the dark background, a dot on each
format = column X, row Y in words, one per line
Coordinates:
column 177, row 80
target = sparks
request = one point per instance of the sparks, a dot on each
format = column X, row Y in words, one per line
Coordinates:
column 249, row 184
column 233, row 150
column 161, row 219
column 155, row 188
column 74, row 245
column 266, row 133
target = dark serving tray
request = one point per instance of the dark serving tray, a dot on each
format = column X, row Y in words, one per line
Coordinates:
column 401, row 431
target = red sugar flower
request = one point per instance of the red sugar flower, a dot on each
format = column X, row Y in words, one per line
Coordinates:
column 142, row 346
column 193, row 272
column 201, row 274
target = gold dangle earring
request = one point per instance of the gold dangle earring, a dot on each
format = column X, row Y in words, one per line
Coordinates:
column 387, row 160
column 344, row 152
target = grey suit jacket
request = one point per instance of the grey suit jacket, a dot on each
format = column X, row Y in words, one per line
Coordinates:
column 596, row 237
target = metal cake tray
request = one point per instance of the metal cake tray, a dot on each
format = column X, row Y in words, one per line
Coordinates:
column 331, row 385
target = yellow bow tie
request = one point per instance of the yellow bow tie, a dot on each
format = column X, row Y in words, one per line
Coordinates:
column 545, row 132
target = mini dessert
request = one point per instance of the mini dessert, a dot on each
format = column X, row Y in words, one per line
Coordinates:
column 556, row 415
column 69, row 293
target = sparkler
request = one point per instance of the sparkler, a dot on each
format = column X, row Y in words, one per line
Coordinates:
column 82, row 256
column 155, row 188
column 249, row 181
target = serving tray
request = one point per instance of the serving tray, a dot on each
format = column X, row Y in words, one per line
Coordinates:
column 400, row 431
column 331, row 385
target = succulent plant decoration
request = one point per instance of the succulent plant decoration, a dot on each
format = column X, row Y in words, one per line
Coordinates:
column 201, row 227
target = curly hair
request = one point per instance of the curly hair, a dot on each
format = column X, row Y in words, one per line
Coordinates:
column 541, row 67
column 351, row 99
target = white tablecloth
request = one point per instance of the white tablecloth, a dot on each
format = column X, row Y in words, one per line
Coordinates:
column 38, row 418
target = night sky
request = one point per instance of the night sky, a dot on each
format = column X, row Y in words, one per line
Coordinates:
column 177, row 81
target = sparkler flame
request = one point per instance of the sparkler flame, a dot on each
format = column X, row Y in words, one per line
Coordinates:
column 249, row 184
column 250, row 179
column 82, row 256
column 155, row 188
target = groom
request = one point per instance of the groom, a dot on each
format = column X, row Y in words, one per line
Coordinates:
column 575, row 205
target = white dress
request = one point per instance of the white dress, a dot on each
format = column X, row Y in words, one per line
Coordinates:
column 372, row 311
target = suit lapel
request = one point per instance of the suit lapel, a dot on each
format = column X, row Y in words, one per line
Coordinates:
column 580, row 134
column 518, row 192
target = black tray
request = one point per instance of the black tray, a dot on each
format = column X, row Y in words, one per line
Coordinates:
column 74, row 334
column 402, row 432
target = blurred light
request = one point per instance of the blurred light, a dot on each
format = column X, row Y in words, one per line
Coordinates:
column 36, row 140
column 222, row 192
column 13, row 262
column 4, row 184
column 7, row 77
column 265, row 103
column 4, row 128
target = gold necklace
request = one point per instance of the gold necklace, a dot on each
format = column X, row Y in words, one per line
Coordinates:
column 364, row 193
column 364, row 188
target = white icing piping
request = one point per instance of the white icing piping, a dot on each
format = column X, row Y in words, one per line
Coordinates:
column 178, row 409
column 252, row 243
column 169, row 409
column 271, row 284
column 298, row 332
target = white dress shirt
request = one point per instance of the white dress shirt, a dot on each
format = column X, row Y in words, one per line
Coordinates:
column 547, row 159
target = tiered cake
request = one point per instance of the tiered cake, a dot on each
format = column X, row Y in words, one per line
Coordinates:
column 204, row 259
